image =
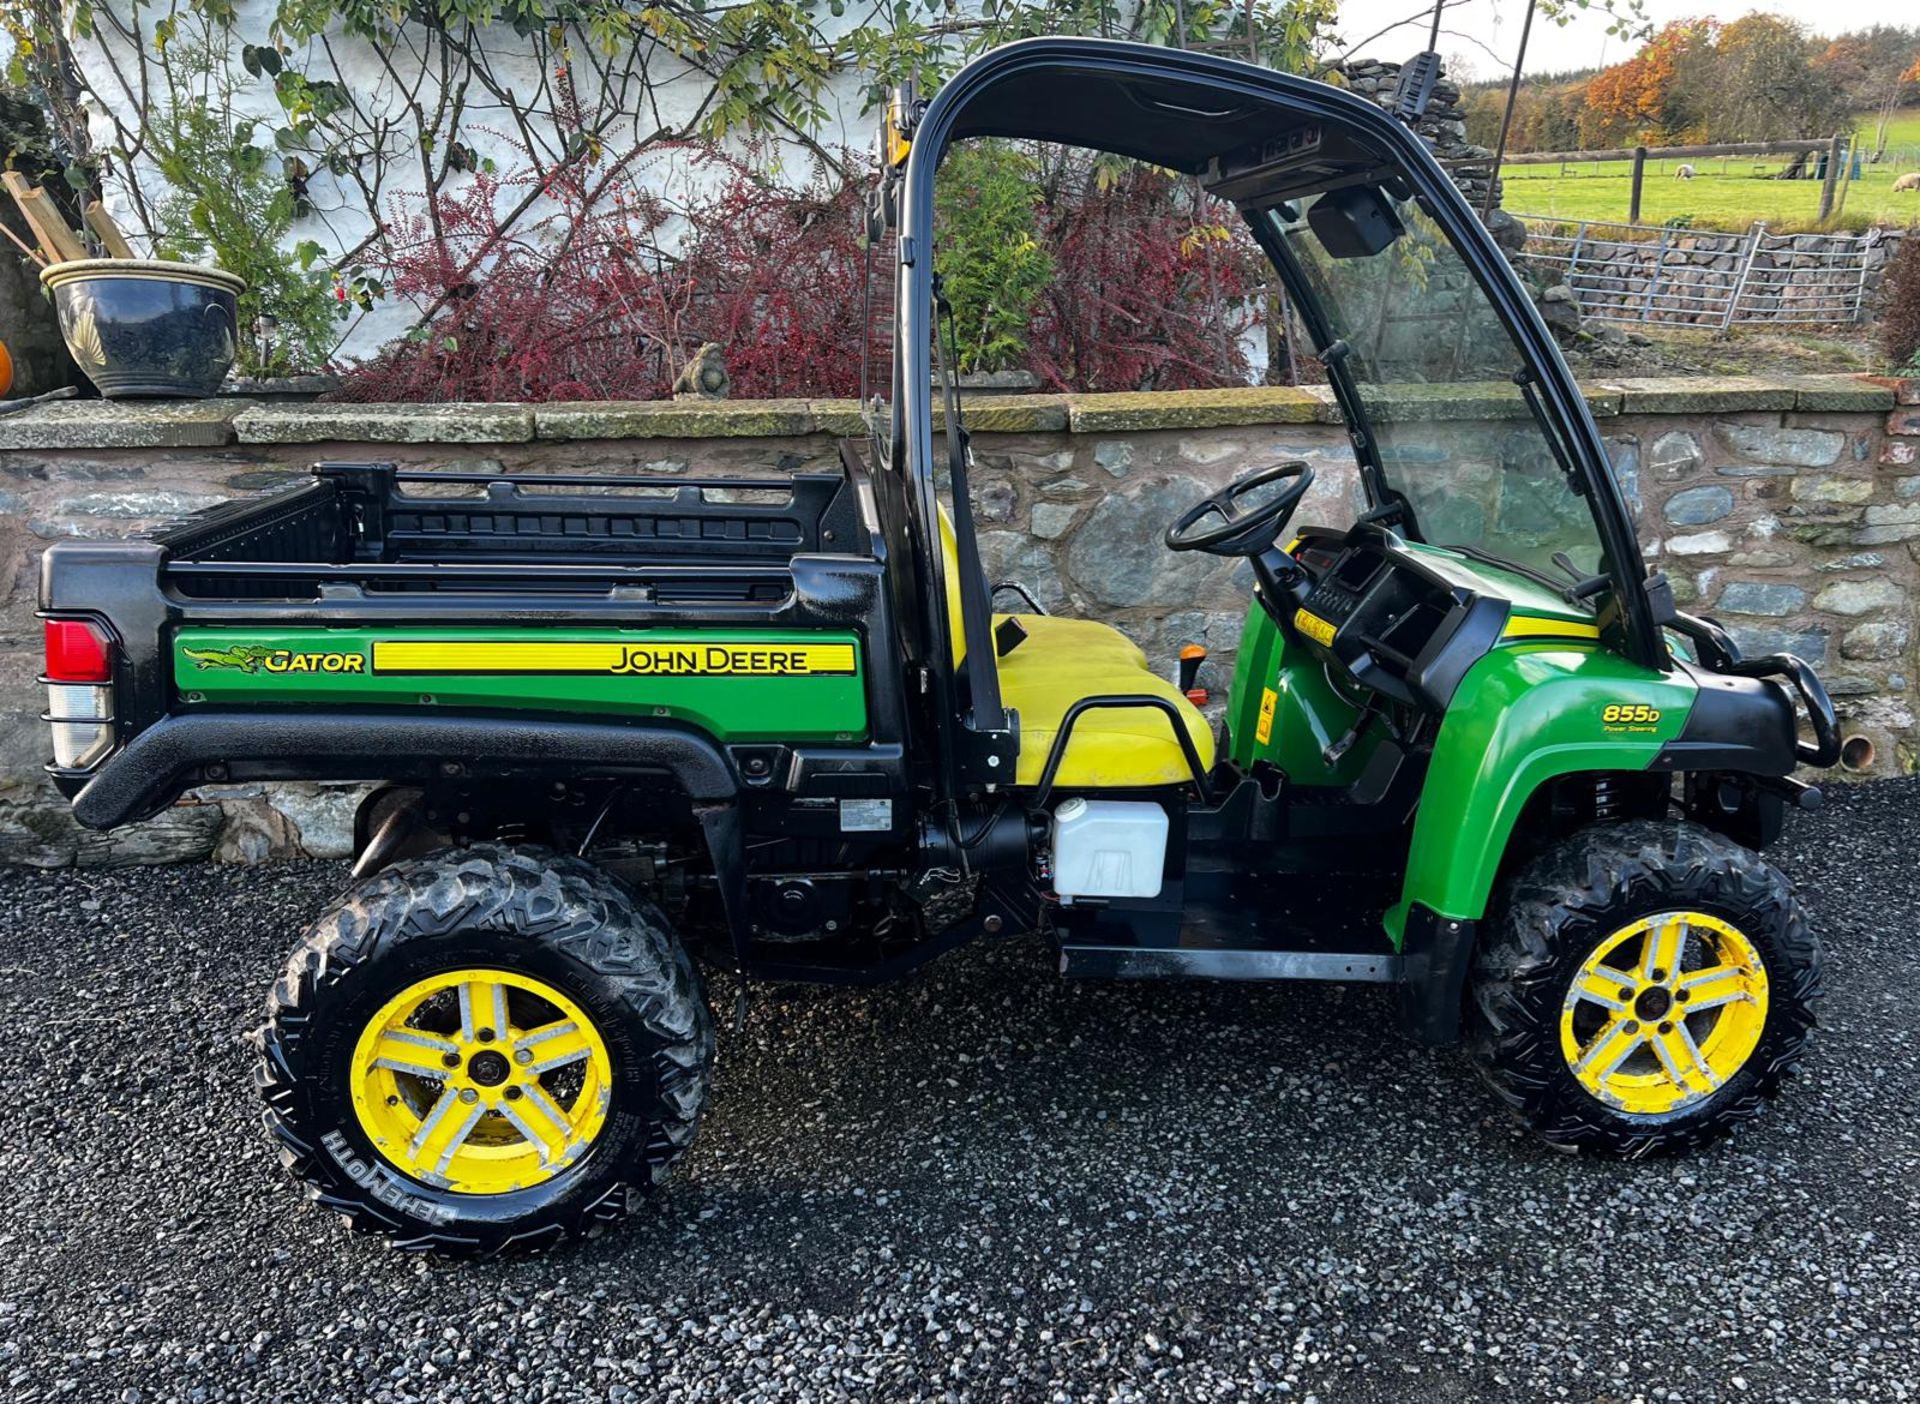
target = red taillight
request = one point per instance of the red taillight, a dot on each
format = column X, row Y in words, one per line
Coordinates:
column 77, row 652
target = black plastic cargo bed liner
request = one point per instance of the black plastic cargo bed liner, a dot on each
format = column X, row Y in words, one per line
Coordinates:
column 383, row 528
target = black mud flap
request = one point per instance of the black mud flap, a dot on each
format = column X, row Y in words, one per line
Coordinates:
column 1435, row 958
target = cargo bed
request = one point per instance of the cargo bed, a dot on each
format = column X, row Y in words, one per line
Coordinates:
column 383, row 623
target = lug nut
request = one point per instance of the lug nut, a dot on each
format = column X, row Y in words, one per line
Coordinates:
column 1682, row 995
column 523, row 1056
column 513, row 1094
column 1666, row 1028
column 451, row 1060
column 1626, row 992
column 469, row 1095
column 1630, row 1027
column 485, row 1035
column 1659, row 975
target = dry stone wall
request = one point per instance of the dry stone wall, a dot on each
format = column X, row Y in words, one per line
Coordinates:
column 1789, row 509
column 1443, row 124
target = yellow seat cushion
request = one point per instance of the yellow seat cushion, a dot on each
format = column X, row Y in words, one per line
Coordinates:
column 1047, row 633
column 1063, row 660
column 1068, row 659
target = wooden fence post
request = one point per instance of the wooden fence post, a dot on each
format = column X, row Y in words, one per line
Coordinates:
column 1832, row 177
column 1639, row 174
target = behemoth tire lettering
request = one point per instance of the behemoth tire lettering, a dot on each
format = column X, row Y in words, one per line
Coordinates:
column 286, row 661
column 380, row 1183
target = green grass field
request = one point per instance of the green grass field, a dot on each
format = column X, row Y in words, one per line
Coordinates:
column 1727, row 193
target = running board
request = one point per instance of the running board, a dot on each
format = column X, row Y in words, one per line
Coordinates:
column 1223, row 963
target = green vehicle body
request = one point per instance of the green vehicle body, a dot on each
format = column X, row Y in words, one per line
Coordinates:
column 691, row 676
column 1527, row 713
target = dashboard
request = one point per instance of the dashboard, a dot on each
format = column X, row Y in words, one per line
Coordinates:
column 1398, row 624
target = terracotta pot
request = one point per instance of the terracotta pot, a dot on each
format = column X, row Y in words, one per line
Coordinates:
column 143, row 327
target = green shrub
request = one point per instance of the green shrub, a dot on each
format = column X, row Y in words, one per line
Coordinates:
column 988, row 252
column 227, row 200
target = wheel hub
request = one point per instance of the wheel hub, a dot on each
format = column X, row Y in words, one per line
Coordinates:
column 488, row 1068
column 481, row 1081
column 1663, row 1012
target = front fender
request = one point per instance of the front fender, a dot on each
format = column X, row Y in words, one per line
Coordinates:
column 1522, row 717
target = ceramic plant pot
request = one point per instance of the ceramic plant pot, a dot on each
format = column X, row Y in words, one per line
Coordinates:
column 143, row 327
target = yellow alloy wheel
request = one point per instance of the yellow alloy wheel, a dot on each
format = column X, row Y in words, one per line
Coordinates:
column 481, row 1081
column 1664, row 1012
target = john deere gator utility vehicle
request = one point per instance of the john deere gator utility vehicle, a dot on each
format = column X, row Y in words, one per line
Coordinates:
column 1471, row 749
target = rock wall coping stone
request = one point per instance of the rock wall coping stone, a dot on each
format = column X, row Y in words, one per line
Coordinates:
column 101, row 424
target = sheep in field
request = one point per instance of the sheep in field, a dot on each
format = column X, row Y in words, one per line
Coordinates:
column 1683, row 173
column 1909, row 181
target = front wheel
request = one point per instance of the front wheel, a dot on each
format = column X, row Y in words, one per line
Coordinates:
column 1646, row 988
column 484, row 1048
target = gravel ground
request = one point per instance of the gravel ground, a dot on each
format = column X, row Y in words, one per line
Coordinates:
column 980, row 1184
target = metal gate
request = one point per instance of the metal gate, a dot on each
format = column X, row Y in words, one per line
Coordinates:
column 1658, row 273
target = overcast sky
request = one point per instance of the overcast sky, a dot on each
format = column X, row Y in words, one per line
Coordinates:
column 1473, row 29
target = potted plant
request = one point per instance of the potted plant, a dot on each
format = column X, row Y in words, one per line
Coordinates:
column 147, row 327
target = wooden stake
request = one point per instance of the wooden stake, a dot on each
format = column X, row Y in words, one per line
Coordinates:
column 111, row 239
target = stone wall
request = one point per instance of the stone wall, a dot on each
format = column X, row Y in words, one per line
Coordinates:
column 1443, row 124
column 1788, row 508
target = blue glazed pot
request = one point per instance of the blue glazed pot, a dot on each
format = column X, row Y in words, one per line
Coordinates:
column 143, row 327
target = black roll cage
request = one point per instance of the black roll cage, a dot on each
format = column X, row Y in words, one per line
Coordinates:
column 1180, row 97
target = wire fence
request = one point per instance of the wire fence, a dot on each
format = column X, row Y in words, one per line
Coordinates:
column 1655, row 273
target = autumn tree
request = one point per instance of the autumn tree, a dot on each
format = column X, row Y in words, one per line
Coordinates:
column 1654, row 96
column 1877, row 70
column 1762, row 85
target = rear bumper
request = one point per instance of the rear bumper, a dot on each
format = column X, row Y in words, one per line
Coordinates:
column 180, row 752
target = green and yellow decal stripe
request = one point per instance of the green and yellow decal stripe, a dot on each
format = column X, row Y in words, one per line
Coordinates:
column 1534, row 628
column 753, row 659
column 797, row 685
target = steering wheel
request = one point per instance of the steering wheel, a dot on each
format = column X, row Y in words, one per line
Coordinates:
column 1248, row 532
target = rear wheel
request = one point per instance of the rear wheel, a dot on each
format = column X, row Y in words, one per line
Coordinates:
column 1645, row 989
column 483, row 1048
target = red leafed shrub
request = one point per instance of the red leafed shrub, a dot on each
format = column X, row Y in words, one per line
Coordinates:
column 612, row 285
column 568, row 305
column 590, row 300
column 1154, row 285
column 776, row 276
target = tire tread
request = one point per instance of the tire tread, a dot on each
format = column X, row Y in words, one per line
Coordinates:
column 559, row 900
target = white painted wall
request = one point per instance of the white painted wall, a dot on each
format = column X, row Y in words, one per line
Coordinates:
column 340, row 218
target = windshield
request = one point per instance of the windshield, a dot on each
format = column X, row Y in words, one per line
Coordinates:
column 1434, row 370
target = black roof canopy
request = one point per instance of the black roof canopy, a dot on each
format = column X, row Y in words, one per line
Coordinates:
column 1191, row 109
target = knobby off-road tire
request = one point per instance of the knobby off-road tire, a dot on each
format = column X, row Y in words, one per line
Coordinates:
column 1564, row 908
column 558, row 924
